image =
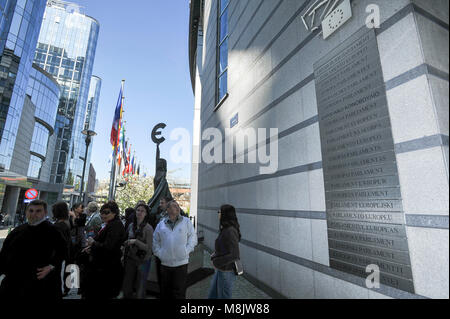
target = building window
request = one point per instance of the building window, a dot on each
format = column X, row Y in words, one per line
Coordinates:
column 34, row 169
column 222, row 51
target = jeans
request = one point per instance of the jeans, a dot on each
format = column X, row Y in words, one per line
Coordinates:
column 222, row 285
column 142, row 284
column 136, row 275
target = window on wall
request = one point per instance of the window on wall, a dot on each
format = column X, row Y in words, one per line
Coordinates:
column 222, row 51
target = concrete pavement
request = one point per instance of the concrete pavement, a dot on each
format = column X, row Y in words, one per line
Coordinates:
column 3, row 234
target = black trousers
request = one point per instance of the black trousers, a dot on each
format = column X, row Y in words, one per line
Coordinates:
column 158, row 273
column 173, row 282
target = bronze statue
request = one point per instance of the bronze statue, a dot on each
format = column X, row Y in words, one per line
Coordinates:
column 161, row 187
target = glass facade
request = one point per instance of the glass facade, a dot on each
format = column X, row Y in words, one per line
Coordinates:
column 15, row 65
column 34, row 170
column 93, row 100
column 40, row 140
column 45, row 93
column 66, row 49
column 222, row 55
column 6, row 13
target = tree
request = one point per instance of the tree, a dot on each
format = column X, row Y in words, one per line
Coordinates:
column 137, row 189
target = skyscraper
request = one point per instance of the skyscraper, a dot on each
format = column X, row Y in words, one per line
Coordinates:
column 16, row 60
column 66, row 49
column 28, row 104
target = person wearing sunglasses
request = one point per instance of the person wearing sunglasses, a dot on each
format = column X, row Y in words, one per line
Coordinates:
column 104, row 275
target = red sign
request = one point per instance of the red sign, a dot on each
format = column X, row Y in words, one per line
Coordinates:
column 31, row 194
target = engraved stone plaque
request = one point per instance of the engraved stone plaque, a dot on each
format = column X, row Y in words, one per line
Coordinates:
column 366, row 223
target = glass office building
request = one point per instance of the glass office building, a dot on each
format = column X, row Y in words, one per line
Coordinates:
column 15, row 66
column 66, row 49
column 20, row 23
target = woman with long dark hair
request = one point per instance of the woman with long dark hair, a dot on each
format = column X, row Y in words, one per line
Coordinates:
column 138, row 253
column 78, row 222
column 226, row 254
column 60, row 212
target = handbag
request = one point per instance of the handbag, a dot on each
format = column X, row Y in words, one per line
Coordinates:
column 238, row 267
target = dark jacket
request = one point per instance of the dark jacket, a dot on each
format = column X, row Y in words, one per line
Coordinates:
column 141, row 251
column 105, row 272
column 78, row 233
column 64, row 230
column 107, row 247
column 227, row 249
column 26, row 249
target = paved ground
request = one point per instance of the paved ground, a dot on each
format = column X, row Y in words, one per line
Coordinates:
column 3, row 234
column 243, row 289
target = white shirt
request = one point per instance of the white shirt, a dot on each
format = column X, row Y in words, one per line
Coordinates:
column 173, row 247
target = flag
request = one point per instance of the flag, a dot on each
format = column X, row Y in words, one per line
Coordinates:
column 124, row 156
column 116, row 123
column 127, row 166
column 124, row 144
column 139, row 170
column 132, row 166
column 119, row 144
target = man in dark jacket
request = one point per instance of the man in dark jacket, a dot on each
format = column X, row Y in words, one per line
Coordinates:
column 31, row 258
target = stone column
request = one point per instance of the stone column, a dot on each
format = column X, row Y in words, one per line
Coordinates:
column 12, row 199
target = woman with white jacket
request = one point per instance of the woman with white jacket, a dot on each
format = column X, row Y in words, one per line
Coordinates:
column 173, row 240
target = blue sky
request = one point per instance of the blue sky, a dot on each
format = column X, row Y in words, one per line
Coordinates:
column 144, row 42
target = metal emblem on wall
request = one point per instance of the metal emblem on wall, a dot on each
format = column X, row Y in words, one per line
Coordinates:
column 330, row 14
column 366, row 223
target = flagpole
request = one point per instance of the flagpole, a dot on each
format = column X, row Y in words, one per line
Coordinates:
column 112, row 178
column 123, row 104
column 112, row 186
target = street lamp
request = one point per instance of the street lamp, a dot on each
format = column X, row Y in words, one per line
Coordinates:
column 122, row 185
column 89, row 134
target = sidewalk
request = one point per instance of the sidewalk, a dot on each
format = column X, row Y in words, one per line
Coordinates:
column 3, row 234
column 243, row 289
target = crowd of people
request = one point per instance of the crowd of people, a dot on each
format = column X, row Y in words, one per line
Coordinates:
column 113, row 255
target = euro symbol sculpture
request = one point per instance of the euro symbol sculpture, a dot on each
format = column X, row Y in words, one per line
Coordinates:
column 161, row 187
column 156, row 133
